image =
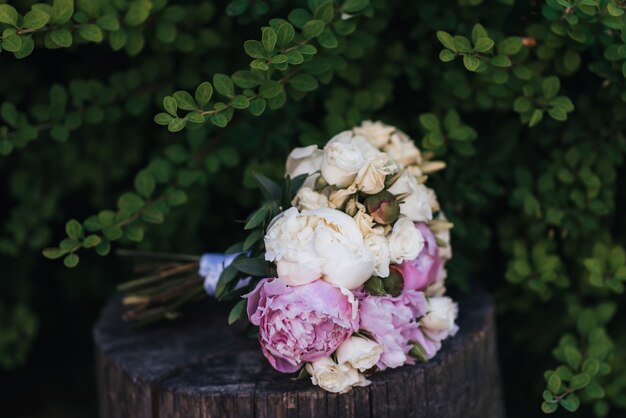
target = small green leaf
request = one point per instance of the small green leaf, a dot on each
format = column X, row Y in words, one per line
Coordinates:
column 252, row 266
column 554, row 384
column 483, row 45
column 61, row 37
column 91, row 33
column 204, row 93
column 134, row 233
column 35, row 19
column 144, row 183
column 549, row 407
column 91, row 241
column 185, row 101
column 269, row 40
column 74, row 229
column 285, row 34
column 501, row 61
column 446, row 55
column 71, row 260
column 551, row 86
column 303, row 82
column 353, row 6
column 224, row 85
column 170, row 105
column 239, row 102
column 62, row 11
column 535, row 118
column 254, row 49
column 313, row 28
column 470, row 62
column 446, row 40
column 219, row 120
column 11, row 42
column 53, row 253
column 573, row 357
column 257, row 106
column 152, row 215
column 163, row 119
column 571, row 402
column 108, row 22
column 270, row 88
column 236, row 312
column 8, row 14
column 579, row 381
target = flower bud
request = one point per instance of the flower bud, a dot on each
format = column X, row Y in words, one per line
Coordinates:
column 393, row 283
column 383, row 207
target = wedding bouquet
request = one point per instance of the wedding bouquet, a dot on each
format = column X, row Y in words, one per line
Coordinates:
column 343, row 269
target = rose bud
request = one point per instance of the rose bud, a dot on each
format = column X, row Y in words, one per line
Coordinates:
column 393, row 283
column 383, row 207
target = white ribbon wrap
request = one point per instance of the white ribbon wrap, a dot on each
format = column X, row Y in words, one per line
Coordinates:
column 212, row 265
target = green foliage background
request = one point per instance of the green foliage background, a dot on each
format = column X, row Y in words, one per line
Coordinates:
column 525, row 101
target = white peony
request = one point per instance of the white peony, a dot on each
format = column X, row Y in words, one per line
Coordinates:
column 402, row 149
column 441, row 316
column 307, row 199
column 305, row 160
column 405, row 241
column 360, row 353
column 333, row 377
column 342, row 160
column 379, row 248
column 371, row 177
column 416, row 205
column 376, row 133
column 321, row 243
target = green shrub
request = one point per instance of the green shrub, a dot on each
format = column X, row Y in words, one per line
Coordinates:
column 526, row 101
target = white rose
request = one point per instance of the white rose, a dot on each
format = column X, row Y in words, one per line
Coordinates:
column 415, row 206
column 339, row 197
column 305, row 160
column 434, row 203
column 379, row 247
column 442, row 313
column 405, row 241
column 360, row 353
column 336, row 378
column 342, row 160
column 363, row 220
column 321, row 243
column 376, row 133
column 371, row 177
column 402, row 149
column 307, row 199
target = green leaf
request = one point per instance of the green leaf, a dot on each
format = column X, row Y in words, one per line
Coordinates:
column 252, row 266
column 28, row 45
column 501, row 61
column 571, row 402
column 130, row 202
column 103, row 248
column 138, row 12
column 510, row 46
column 219, row 120
column 224, row 85
column 62, row 11
column 551, row 86
column 176, row 125
column 8, row 14
column 91, row 32
column 535, row 118
column 144, row 183
column 61, row 37
column 303, row 82
column 549, row 407
column 257, row 218
column 170, row 105
column 430, row 122
column 134, row 233
column 470, row 62
column 239, row 102
column 71, row 260
column 579, row 381
column 108, row 22
column 270, row 88
column 353, row 6
column 269, row 39
column 113, row 232
column 462, row 44
column 11, row 42
column 257, row 106
column 237, row 311
column 479, row 32
column 185, row 101
column 91, row 241
column 53, row 253
column 152, row 215
column 74, row 229
column 446, row 40
column 446, row 55
column 195, row 117
column 176, row 197
column 573, row 357
column 35, row 19
column 254, row 49
column 247, row 79
column 522, row 104
column 204, row 93
column 483, row 45
column 163, row 119
column 313, row 28
column 594, row 390
column 554, row 384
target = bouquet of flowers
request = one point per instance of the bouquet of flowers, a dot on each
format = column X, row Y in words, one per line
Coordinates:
column 343, row 269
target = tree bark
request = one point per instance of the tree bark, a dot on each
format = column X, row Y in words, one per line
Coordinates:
column 200, row 367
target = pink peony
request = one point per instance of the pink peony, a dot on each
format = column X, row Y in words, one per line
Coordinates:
column 393, row 322
column 423, row 271
column 301, row 323
column 428, row 341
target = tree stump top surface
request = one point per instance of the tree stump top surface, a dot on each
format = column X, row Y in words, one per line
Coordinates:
column 198, row 366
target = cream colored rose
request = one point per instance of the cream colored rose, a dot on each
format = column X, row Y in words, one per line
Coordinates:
column 434, row 203
column 379, row 248
column 342, row 160
column 360, row 353
column 376, row 133
column 319, row 243
column 363, row 220
column 336, row 378
column 441, row 316
column 307, row 199
column 405, row 241
column 339, row 197
column 416, row 204
column 371, row 177
column 305, row 160
column 402, row 149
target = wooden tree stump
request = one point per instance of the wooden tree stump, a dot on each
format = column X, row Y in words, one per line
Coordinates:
column 200, row 367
